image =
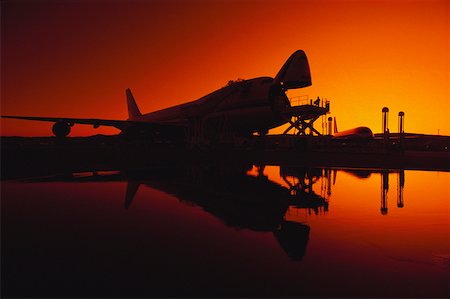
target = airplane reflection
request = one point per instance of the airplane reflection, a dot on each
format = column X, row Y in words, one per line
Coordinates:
column 239, row 200
column 245, row 201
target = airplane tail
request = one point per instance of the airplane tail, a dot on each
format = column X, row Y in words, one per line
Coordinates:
column 133, row 110
column 335, row 126
column 295, row 72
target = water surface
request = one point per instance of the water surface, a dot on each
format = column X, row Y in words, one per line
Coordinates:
column 246, row 232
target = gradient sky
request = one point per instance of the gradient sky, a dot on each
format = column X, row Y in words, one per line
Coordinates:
column 75, row 58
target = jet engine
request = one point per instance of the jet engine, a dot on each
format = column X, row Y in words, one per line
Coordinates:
column 61, row 129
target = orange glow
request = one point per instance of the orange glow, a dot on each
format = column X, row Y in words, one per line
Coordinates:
column 75, row 59
column 398, row 231
column 416, row 228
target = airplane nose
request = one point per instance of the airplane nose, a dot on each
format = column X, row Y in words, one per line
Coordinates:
column 295, row 72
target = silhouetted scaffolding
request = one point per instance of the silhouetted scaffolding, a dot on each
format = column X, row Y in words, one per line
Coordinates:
column 303, row 113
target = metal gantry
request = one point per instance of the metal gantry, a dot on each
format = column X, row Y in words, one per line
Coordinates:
column 302, row 115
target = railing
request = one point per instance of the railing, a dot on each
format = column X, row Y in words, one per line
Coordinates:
column 305, row 100
column 299, row 100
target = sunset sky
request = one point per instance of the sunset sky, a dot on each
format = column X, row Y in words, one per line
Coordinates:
column 75, row 58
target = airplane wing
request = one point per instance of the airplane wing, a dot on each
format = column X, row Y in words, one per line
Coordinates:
column 62, row 125
column 119, row 124
column 135, row 124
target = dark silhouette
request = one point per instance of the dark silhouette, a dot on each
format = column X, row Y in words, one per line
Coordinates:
column 294, row 247
column 317, row 102
column 240, row 108
column 384, row 192
column 226, row 191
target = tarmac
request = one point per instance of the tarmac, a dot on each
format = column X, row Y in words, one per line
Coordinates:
column 34, row 156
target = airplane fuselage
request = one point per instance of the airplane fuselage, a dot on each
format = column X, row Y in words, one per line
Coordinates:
column 244, row 106
column 359, row 133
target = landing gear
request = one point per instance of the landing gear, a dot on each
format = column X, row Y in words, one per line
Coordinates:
column 61, row 129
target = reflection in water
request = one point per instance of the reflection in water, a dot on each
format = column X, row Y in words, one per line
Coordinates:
column 244, row 198
column 239, row 200
column 385, row 189
column 300, row 182
column 270, row 238
column 400, row 186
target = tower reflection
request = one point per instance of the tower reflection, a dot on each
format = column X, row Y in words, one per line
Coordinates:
column 385, row 189
column 400, row 186
column 384, row 192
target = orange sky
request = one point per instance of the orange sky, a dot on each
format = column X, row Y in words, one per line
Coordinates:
column 75, row 58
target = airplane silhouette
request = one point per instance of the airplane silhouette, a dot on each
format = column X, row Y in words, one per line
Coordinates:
column 354, row 134
column 241, row 108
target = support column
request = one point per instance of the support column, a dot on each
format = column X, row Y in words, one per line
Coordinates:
column 401, row 126
column 385, row 129
column 330, row 123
